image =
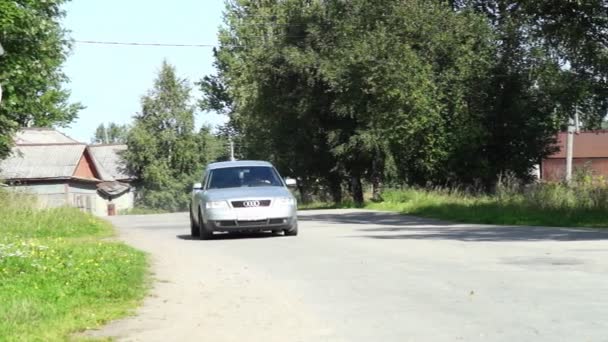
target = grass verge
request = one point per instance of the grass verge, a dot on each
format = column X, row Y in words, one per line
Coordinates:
column 141, row 211
column 485, row 209
column 58, row 275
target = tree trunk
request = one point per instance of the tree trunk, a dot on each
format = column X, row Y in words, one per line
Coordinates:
column 304, row 193
column 376, row 180
column 356, row 189
column 335, row 187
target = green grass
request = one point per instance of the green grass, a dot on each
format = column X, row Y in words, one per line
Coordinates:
column 58, row 275
column 141, row 211
column 487, row 209
column 325, row 205
column 549, row 205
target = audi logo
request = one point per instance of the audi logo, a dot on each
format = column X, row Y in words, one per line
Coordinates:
column 251, row 204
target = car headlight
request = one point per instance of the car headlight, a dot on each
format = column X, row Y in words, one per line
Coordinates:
column 285, row 201
column 217, row 205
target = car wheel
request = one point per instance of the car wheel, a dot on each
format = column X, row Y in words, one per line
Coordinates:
column 194, row 227
column 204, row 233
column 293, row 231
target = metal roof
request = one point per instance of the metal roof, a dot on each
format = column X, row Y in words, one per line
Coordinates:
column 42, row 161
column 109, row 161
column 113, row 188
column 238, row 163
column 27, row 136
column 589, row 144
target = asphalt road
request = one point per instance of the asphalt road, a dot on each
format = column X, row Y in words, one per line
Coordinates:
column 369, row 276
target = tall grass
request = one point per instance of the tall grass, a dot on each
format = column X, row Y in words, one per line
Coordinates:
column 57, row 274
column 582, row 203
column 560, row 205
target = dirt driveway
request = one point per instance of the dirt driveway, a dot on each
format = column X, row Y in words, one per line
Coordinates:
column 366, row 276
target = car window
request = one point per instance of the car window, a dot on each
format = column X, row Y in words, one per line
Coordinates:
column 235, row 177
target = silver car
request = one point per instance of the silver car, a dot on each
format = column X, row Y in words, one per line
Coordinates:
column 242, row 196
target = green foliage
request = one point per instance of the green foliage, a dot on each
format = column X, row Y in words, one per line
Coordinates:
column 406, row 92
column 113, row 134
column 165, row 153
column 335, row 82
column 35, row 47
column 57, row 275
column 548, row 61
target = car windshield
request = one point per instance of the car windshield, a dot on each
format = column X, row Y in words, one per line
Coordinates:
column 246, row 176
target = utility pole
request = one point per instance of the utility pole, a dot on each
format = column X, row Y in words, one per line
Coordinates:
column 231, row 150
column 105, row 133
column 573, row 127
column 569, row 151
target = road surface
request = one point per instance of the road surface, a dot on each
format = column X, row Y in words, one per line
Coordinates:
column 368, row 276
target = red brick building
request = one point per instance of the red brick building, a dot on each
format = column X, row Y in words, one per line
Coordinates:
column 590, row 148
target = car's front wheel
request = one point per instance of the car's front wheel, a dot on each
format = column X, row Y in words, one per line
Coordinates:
column 194, row 227
column 204, row 233
column 293, row 231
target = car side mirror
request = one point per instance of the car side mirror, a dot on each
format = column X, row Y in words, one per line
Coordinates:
column 197, row 187
column 290, row 182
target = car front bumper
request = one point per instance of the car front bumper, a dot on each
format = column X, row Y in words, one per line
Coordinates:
column 259, row 225
column 250, row 219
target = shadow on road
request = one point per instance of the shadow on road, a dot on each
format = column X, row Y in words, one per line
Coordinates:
column 371, row 217
column 486, row 233
column 395, row 226
column 232, row 236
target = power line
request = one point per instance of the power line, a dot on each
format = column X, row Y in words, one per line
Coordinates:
column 98, row 42
column 141, row 44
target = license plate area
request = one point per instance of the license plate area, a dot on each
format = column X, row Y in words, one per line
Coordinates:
column 251, row 215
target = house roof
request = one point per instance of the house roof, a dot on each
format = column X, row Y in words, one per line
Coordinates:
column 43, row 153
column 42, row 161
column 27, row 136
column 588, row 144
column 113, row 189
column 109, row 161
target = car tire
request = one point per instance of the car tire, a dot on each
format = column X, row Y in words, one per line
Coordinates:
column 293, row 231
column 203, row 232
column 194, row 227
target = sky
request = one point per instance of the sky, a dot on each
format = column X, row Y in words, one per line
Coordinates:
column 110, row 80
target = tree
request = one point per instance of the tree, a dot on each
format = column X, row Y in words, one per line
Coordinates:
column 551, row 57
column 328, row 90
column 113, row 134
column 415, row 92
column 165, row 154
column 36, row 46
column 275, row 105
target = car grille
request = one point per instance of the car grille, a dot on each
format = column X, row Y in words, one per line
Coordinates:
column 252, row 223
column 251, row 204
column 256, row 223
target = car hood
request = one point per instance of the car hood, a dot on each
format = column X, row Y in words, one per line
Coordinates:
column 247, row 192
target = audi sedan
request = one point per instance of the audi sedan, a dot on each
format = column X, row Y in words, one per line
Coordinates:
column 242, row 196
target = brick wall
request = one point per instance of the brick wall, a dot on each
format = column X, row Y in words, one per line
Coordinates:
column 554, row 169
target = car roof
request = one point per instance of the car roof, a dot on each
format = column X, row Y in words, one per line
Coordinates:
column 238, row 163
